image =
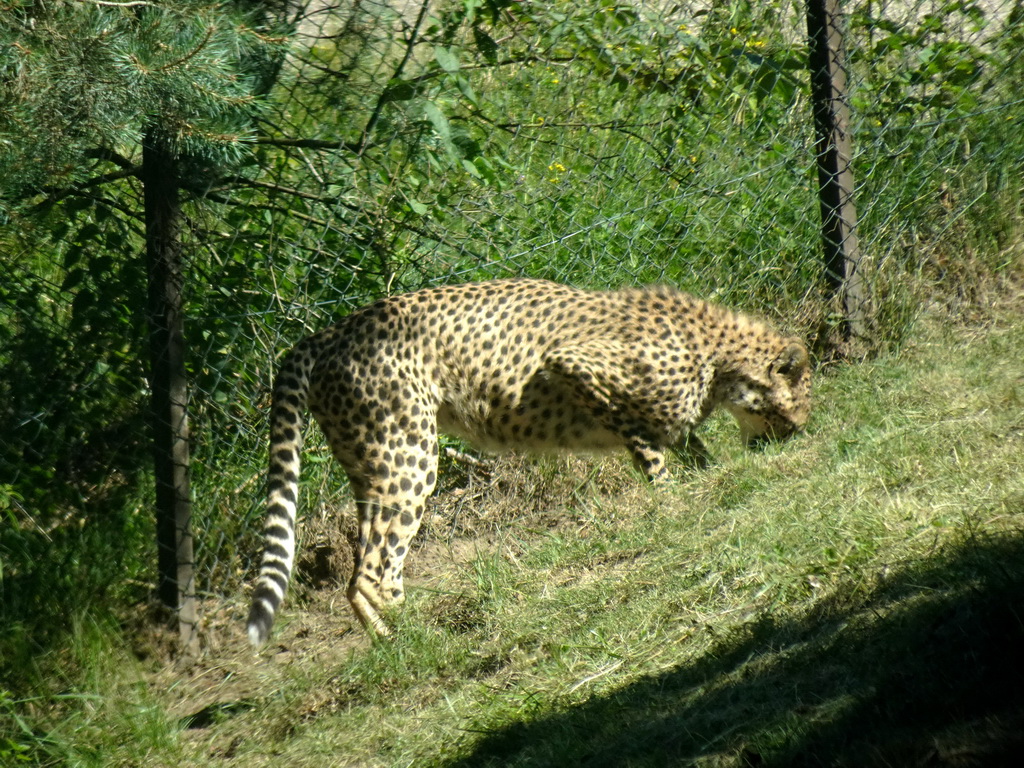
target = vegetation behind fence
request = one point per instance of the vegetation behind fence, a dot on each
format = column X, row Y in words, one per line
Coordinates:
column 326, row 154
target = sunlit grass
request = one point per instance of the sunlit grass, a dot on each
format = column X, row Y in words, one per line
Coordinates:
column 753, row 611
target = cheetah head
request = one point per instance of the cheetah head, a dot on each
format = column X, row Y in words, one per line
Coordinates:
column 771, row 402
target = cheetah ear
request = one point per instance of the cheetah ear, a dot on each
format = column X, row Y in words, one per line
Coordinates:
column 792, row 360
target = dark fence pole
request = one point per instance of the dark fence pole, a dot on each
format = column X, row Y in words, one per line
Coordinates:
column 834, row 150
column 176, row 585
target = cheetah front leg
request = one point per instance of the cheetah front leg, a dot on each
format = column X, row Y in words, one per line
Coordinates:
column 595, row 375
column 648, row 458
column 693, row 452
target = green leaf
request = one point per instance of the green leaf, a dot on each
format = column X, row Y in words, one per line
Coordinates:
column 88, row 232
column 398, row 90
column 467, row 146
column 439, row 121
column 101, row 267
column 467, row 91
column 72, row 256
column 485, row 171
column 447, row 60
column 72, row 280
column 485, row 45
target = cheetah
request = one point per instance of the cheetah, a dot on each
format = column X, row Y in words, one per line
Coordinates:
column 505, row 364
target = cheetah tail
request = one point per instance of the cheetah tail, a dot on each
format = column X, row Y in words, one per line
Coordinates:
column 287, row 413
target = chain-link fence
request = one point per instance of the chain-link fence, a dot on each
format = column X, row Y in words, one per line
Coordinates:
column 400, row 144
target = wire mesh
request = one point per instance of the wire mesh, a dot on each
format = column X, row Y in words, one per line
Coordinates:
column 401, row 144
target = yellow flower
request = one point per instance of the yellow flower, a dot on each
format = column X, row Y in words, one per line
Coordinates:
column 557, row 167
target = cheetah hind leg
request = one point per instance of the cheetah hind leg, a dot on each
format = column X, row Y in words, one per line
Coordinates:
column 364, row 593
column 388, row 522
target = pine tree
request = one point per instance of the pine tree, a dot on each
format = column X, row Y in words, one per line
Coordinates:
column 82, row 82
column 112, row 111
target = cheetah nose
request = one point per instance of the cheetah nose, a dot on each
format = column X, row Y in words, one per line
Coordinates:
column 758, row 442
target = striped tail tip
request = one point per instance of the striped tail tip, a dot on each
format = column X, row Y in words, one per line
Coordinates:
column 261, row 617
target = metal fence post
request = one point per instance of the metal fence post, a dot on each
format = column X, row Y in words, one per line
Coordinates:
column 834, row 151
column 169, row 385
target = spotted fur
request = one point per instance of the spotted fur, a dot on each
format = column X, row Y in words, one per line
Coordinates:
column 508, row 364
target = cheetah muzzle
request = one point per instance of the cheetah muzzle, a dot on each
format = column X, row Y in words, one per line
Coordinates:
column 506, row 364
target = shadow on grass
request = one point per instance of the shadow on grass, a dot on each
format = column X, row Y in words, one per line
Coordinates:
column 66, row 555
column 924, row 670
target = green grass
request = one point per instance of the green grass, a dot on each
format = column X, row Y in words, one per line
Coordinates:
column 851, row 598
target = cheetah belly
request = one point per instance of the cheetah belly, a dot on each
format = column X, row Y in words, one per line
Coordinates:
column 540, row 429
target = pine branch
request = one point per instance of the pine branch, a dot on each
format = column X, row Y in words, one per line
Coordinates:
column 308, row 143
column 191, row 54
column 56, row 194
column 409, row 45
column 129, row 4
column 273, row 208
column 241, row 181
column 105, row 153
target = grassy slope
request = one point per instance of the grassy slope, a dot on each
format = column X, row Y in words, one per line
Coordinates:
column 852, row 598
